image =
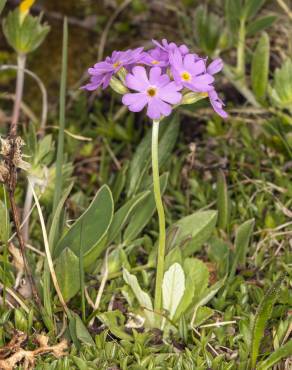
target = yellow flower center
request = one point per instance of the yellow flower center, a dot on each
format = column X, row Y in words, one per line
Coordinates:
column 151, row 92
column 117, row 64
column 154, row 62
column 186, row 76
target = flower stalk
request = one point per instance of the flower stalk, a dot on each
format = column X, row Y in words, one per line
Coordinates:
column 161, row 217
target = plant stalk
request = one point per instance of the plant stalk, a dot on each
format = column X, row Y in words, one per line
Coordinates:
column 12, row 180
column 161, row 217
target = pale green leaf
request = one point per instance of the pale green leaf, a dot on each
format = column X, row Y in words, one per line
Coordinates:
column 260, row 67
column 173, row 288
column 142, row 297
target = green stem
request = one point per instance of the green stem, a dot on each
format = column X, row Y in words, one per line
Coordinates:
column 161, row 217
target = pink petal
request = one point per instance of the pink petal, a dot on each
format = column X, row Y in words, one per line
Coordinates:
column 169, row 93
column 215, row 67
column 157, row 108
column 154, row 75
column 175, row 59
column 138, row 80
column 195, row 68
column 135, row 102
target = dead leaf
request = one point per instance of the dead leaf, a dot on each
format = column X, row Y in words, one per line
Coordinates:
column 12, row 354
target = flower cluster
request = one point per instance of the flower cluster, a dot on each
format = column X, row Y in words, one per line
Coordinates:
column 163, row 77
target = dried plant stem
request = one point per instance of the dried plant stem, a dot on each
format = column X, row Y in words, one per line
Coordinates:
column 12, row 180
column 48, row 253
column 161, row 217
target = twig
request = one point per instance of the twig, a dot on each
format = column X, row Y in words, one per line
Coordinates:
column 12, row 178
column 102, row 284
column 48, row 254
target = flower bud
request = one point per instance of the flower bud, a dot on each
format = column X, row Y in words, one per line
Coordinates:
column 192, row 97
column 24, row 8
column 122, row 73
column 118, row 86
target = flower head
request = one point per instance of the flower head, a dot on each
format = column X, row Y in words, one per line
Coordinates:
column 102, row 72
column 190, row 71
column 155, row 91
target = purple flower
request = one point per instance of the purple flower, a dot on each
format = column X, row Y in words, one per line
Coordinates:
column 155, row 57
column 171, row 46
column 157, row 92
column 190, row 71
column 217, row 103
column 102, row 72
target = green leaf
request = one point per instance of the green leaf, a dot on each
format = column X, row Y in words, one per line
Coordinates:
column 252, row 7
column 142, row 214
column 283, row 352
column 67, row 272
column 56, row 219
column 115, row 321
column 203, row 314
column 223, row 205
column 260, row 24
column 263, row 314
column 169, row 129
column 207, row 296
column 95, row 222
column 197, row 279
column 281, row 93
column 194, row 230
column 260, row 67
column 142, row 297
column 242, row 239
column 2, row 4
column 233, row 10
column 25, row 36
column 82, row 332
column 122, row 215
column 173, row 287
column 119, row 182
column 207, row 29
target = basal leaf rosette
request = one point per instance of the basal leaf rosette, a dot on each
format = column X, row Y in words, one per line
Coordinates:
column 160, row 79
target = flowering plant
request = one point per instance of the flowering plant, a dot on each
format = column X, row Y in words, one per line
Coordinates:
column 160, row 79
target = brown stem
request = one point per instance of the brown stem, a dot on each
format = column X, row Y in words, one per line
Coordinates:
column 12, row 180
